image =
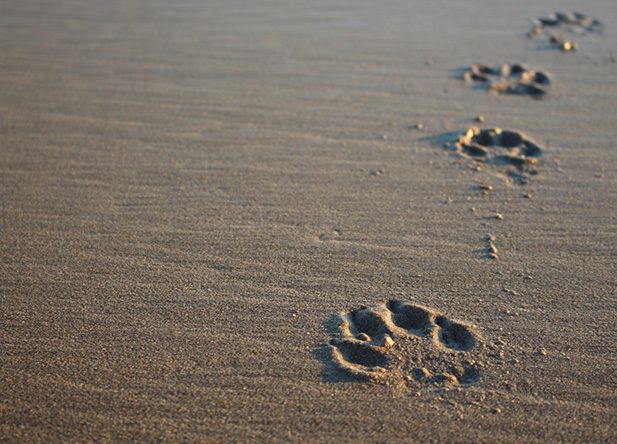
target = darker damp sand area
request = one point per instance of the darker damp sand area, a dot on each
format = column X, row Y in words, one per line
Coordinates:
column 198, row 198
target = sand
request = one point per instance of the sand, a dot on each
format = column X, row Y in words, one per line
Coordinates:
column 193, row 193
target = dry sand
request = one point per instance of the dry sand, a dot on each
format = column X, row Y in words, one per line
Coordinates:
column 191, row 191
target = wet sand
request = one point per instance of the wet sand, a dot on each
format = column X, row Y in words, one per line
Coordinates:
column 191, row 192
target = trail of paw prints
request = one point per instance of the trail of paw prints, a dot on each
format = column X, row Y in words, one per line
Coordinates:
column 511, row 153
column 573, row 22
column 509, row 79
column 407, row 344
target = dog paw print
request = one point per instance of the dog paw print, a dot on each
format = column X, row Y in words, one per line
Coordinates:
column 573, row 22
column 406, row 342
column 509, row 79
column 567, row 21
column 511, row 153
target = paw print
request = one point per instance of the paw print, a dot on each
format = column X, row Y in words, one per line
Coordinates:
column 405, row 341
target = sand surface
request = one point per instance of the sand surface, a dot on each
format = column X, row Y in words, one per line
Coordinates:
column 191, row 191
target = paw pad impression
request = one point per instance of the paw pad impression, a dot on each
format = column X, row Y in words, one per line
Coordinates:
column 510, row 152
column 573, row 22
column 406, row 342
column 509, row 79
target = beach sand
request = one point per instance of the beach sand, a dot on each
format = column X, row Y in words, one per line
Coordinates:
column 191, row 192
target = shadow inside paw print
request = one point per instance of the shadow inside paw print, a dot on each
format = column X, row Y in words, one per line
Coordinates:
column 401, row 341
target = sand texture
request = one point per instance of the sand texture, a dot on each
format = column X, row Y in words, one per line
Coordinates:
column 301, row 221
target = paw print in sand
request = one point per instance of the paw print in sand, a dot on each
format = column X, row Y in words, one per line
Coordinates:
column 509, row 79
column 573, row 22
column 568, row 21
column 406, row 343
column 510, row 153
